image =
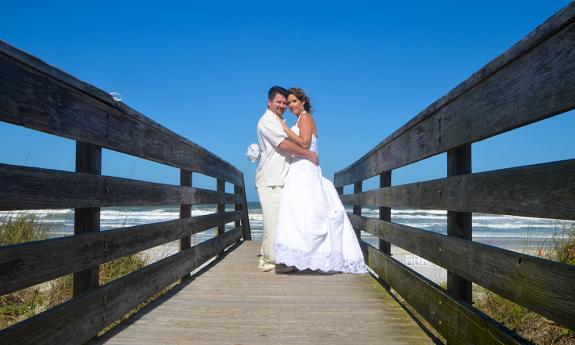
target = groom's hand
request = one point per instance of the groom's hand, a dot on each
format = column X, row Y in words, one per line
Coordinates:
column 312, row 157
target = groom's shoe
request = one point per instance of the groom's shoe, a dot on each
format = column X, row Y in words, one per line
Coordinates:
column 281, row 268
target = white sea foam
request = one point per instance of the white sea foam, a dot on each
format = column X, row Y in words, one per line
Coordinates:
column 484, row 225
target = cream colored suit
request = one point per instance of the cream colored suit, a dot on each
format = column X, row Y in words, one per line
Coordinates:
column 270, row 177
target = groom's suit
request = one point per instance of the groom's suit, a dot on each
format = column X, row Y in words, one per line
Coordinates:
column 270, row 177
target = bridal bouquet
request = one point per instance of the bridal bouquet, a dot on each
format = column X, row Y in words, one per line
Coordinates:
column 253, row 153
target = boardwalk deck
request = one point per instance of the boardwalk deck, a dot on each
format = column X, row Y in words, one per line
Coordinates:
column 234, row 303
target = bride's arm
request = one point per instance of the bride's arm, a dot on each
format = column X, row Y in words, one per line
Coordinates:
column 305, row 130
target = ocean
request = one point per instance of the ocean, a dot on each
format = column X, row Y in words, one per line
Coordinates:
column 521, row 234
column 506, row 231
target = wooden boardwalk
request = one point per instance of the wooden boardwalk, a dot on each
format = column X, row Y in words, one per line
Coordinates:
column 234, row 303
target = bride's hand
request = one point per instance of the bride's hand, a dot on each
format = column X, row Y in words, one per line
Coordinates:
column 313, row 157
column 284, row 126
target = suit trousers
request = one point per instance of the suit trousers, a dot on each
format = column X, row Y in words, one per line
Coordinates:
column 270, row 198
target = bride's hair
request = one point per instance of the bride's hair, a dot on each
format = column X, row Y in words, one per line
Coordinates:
column 301, row 96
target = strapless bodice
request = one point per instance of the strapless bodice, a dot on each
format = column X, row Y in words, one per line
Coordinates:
column 313, row 144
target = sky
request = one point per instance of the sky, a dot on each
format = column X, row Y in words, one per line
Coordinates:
column 203, row 68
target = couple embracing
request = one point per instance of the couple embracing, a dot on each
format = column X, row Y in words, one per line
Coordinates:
column 305, row 225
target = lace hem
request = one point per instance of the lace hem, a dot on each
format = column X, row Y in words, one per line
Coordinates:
column 326, row 262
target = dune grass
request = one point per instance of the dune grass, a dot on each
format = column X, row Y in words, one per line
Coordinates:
column 20, row 305
column 524, row 322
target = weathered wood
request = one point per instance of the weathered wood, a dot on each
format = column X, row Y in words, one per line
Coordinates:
column 245, row 222
column 35, row 188
column 185, row 212
column 543, row 286
column 457, row 321
column 357, row 188
column 385, row 212
column 541, row 190
column 79, row 319
column 70, row 108
column 221, row 208
column 532, row 81
column 238, row 207
column 459, row 223
column 87, row 220
column 234, row 303
column 60, row 256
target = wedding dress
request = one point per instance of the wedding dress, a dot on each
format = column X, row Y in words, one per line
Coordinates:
column 313, row 230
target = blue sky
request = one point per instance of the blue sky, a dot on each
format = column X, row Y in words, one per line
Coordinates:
column 203, row 69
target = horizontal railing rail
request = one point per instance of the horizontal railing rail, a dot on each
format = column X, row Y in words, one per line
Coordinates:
column 530, row 82
column 40, row 97
column 503, row 95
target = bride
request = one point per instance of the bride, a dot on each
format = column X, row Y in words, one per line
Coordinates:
column 313, row 231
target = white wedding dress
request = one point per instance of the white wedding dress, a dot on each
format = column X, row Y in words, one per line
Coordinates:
column 313, row 231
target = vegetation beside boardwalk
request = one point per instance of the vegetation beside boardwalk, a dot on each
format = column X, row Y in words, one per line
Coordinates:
column 20, row 305
column 524, row 322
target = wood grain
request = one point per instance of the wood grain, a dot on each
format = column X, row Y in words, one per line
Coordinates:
column 38, row 96
column 530, row 82
column 26, row 264
column 26, row 188
column 87, row 220
column 234, row 303
column 543, row 286
column 457, row 321
column 78, row 320
column 541, row 190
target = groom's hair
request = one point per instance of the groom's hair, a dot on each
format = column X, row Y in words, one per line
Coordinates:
column 274, row 90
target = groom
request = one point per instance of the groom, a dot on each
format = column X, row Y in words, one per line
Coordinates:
column 276, row 151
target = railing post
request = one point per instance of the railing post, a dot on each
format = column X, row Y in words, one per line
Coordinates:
column 88, row 160
column 459, row 223
column 246, row 232
column 385, row 212
column 185, row 212
column 357, row 188
column 221, row 188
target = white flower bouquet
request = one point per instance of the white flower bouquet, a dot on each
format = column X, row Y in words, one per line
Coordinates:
column 253, row 153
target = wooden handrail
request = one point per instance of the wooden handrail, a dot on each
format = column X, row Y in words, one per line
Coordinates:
column 70, row 108
column 538, row 67
column 40, row 97
column 530, row 82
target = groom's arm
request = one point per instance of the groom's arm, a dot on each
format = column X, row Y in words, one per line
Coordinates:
column 296, row 150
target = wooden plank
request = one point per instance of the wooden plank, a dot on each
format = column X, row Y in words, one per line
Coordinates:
column 541, row 190
column 238, row 207
column 543, row 286
column 35, row 188
column 385, row 212
column 185, row 212
column 234, row 303
column 459, row 223
column 357, row 187
column 221, row 208
column 78, row 320
column 530, row 82
column 60, row 256
column 87, row 220
column 72, row 109
column 245, row 222
column 454, row 319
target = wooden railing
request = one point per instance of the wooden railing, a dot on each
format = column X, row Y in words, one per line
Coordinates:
column 40, row 97
column 532, row 81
